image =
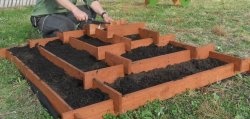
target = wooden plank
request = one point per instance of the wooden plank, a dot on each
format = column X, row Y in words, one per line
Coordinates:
column 240, row 64
column 42, row 42
column 159, row 61
column 68, row 68
column 113, row 94
column 80, row 45
column 3, row 52
column 146, row 33
column 106, row 74
column 94, row 111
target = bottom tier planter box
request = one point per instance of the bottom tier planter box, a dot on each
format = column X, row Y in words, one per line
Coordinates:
column 138, row 89
column 64, row 93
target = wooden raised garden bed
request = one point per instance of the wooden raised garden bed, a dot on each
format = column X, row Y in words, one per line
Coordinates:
column 84, row 76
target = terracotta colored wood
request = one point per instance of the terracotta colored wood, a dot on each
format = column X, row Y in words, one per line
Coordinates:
column 146, row 33
column 164, row 40
column 98, row 52
column 43, row 41
column 87, row 77
column 119, row 22
column 176, row 2
column 112, row 59
column 203, row 51
column 121, row 30
column 108, row 74
column 196, row 52
column 159, row 61
column 68, row 68
column 65, row 36
column 57, row 102
column 113, row 94
column 90, row 29
column 95, row 111
column 3, row 52
column 241, row 65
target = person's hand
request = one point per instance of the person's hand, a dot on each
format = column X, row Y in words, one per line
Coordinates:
column 107, row 18
column 80, row 15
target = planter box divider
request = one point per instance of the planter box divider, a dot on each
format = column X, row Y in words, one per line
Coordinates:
column 65, row 36
column 113, row 94
column 41, row 42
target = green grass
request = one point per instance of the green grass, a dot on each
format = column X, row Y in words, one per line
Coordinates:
column 198, row 24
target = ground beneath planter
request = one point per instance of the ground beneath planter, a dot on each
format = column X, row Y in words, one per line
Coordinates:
column 80, row 59
column 134, row 37
column 70, row 89
column 93, row 41
column 151, row 51
column 135, row 82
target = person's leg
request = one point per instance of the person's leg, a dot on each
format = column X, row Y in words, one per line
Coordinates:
column 51, row 24
column 91, row 14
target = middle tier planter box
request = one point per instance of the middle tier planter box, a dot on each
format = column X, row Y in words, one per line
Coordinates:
column 79, row 63
column 157, row 56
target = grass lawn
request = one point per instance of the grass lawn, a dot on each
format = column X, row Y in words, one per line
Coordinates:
column 225, row 23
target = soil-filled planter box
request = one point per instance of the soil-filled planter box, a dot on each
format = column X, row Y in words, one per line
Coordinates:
column 164, row 83
column 121, row 30
column 79, row 64
column 96, row 47
column 63, row 92
column 153, row 56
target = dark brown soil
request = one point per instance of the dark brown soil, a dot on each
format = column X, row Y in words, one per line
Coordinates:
column 151, row 51
column 70, row 89
column 134, row 37
column 135, row 82
column 93, row 41
column 80, row 59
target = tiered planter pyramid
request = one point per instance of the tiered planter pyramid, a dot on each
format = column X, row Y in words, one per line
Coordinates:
column 88, row 73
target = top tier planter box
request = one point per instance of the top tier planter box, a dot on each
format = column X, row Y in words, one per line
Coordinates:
column 121, row 30
column 91, row 28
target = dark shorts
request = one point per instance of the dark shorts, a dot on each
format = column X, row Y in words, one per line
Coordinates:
column 48, row 25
